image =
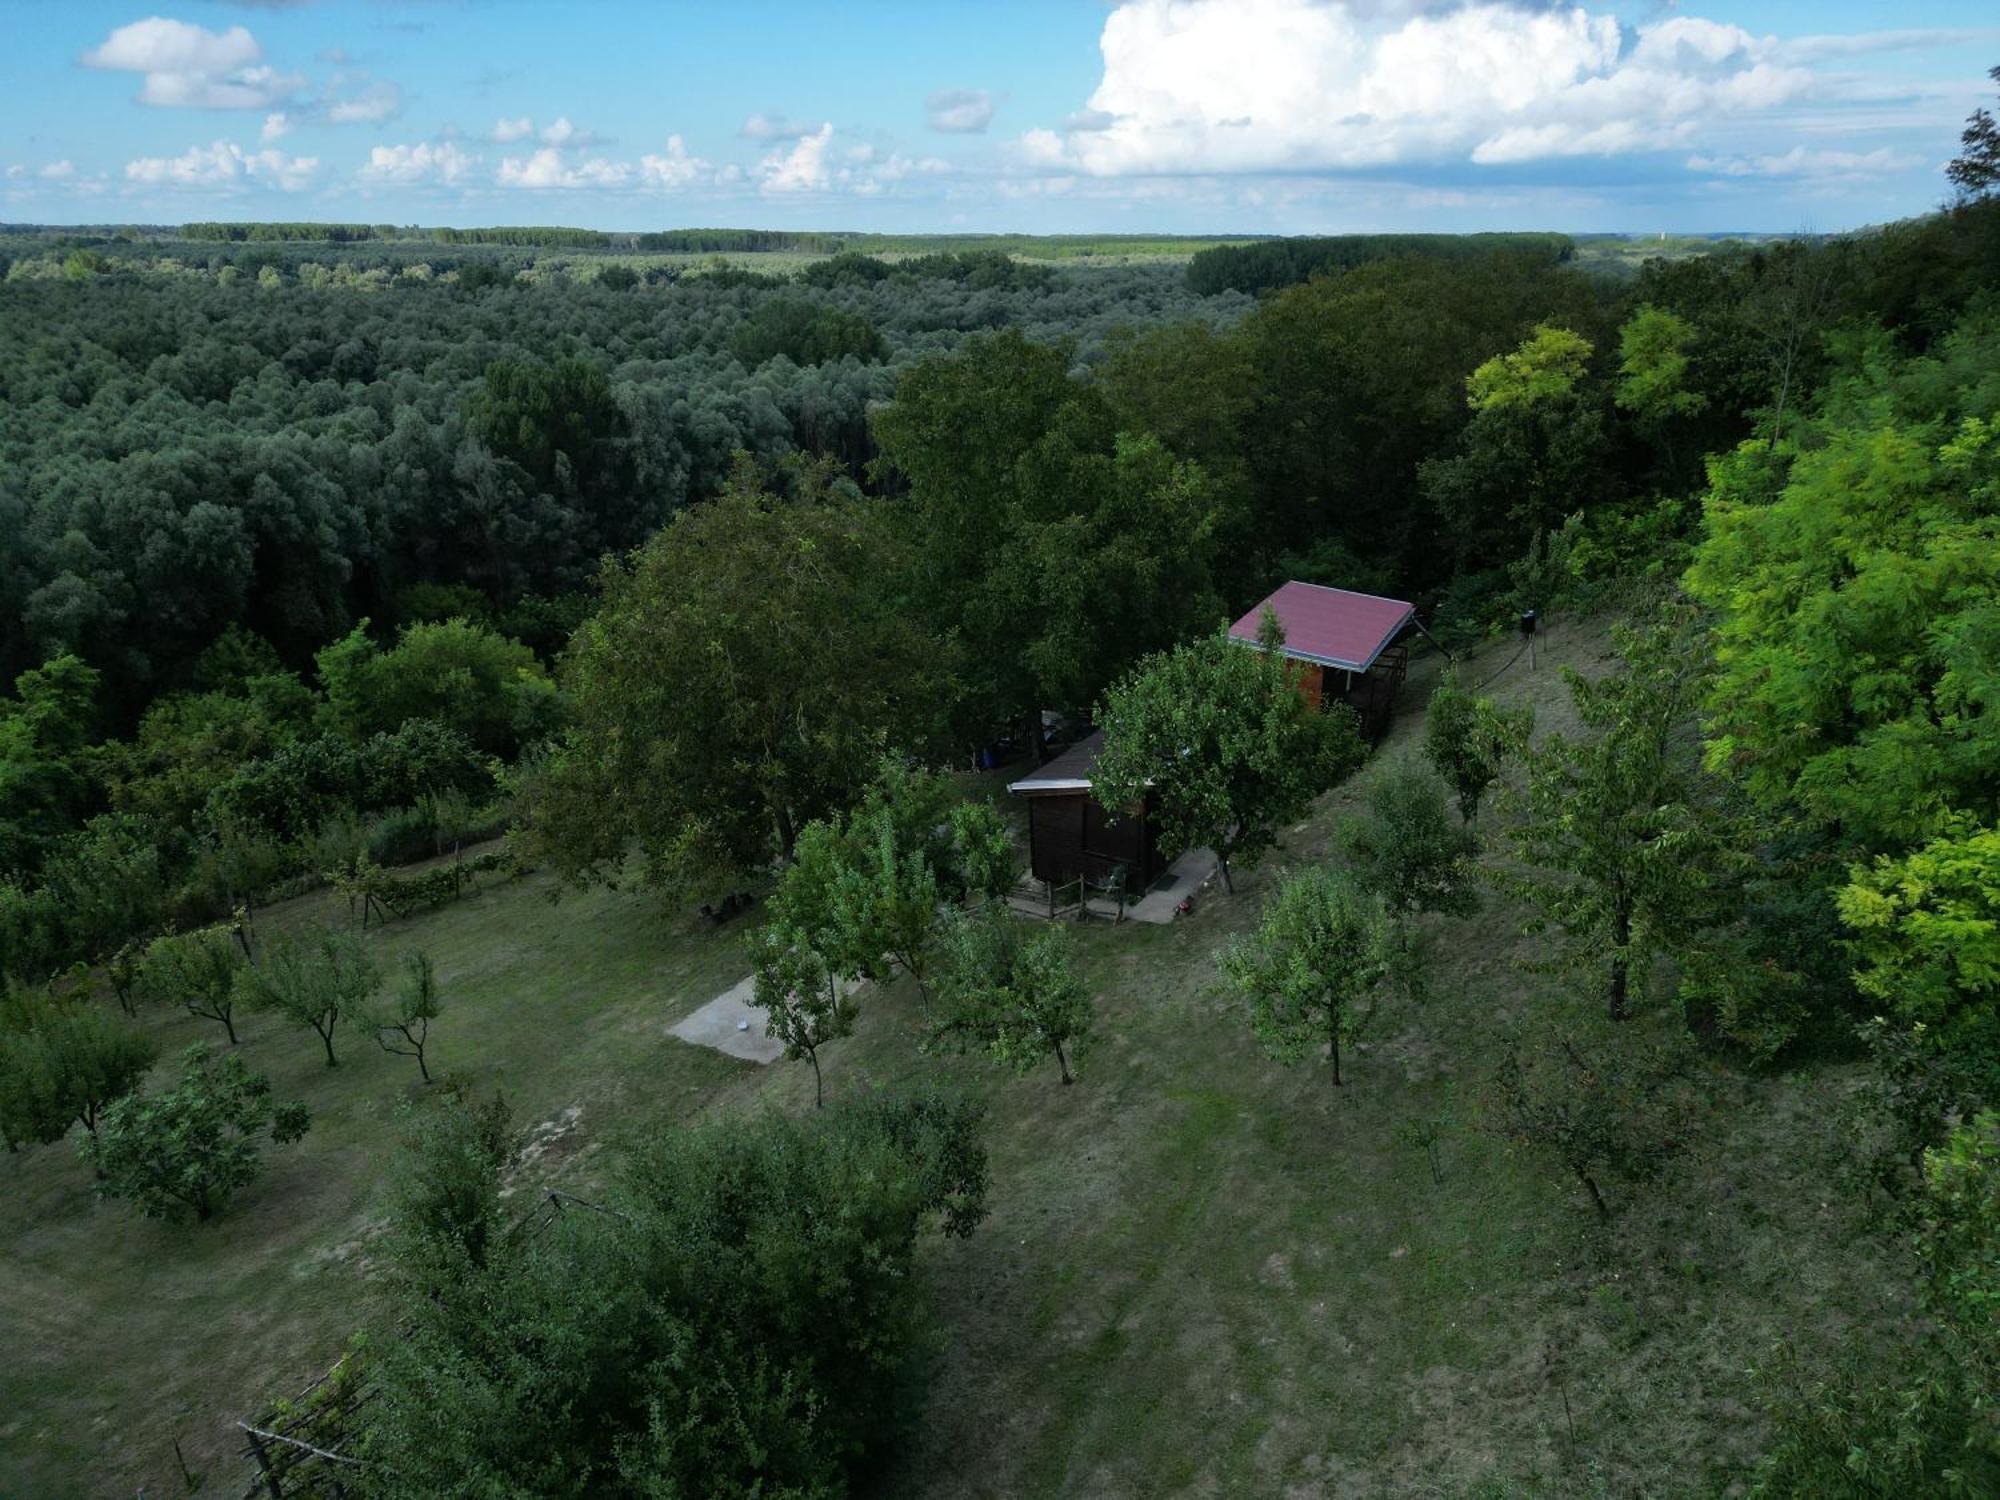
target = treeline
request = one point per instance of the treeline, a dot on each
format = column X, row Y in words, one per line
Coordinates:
column 337, row 234
column 1264, row 264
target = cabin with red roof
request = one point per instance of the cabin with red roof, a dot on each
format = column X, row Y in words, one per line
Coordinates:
column 1343, row 645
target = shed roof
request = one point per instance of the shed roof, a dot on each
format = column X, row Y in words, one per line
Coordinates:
column 1067, row 772
column 1334, row 627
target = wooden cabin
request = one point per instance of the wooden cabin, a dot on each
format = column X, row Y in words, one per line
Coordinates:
column 1070, row 836
column 1343, row 646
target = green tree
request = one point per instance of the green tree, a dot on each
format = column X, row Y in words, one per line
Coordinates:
column 1622, row 840
column 445, row 1209
column 63, row 1063
column 313, row 980
column 1015, row 996
column 1220, row 746
column 1405, row 848
column 798, row 989
column 1600, row 1108
column 1469, row 739
column 1854, row 578
column 189, row 1149
column 743, row 675
column 1311, row 971
column 1976, row 169
column 197, row 970
column 737, row 1316
column 1925, row 930
column 403, row 1024
column 456, row 672
column 1653, row 376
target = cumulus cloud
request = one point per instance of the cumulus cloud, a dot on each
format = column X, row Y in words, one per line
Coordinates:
column 550, row 167
column 1193, row 86
column 959, row 111
column 520, row 129
column 190, row 67
column 277, row 126
column 422, row 164
column 224, row 166
column 58, row 171
column 763, row 127
column 674, row 168
column 803, row 168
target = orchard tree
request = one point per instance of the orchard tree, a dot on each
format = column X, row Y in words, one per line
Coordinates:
column 1405, row 847
column 198, row 970
column 1603, row 1107
column 1221, row 747
column 63, row 1063
column 1012, row 994
column 1312, row 969
column 742, row 676
column 402, row 1025
column 1469, row 739
column 798, row 990
column 313, row 980
column 189, row 1149
column 1624, row 844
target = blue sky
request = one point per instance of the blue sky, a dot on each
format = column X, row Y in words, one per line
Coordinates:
column 1215, row 116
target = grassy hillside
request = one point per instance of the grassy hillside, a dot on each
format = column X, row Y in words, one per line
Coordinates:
column 1203, row 1273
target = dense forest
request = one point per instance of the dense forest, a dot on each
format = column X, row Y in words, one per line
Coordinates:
column 324, row 555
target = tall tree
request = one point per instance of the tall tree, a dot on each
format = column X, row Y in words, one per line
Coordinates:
column 1622, row 839
column 1311, row 970
column 1975, row 171
column 740, row 679
column 1220, row 746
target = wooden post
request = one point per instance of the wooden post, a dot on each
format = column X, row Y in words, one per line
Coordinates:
column 264, row 1464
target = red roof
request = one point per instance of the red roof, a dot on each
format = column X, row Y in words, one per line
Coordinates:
column 1334, row 627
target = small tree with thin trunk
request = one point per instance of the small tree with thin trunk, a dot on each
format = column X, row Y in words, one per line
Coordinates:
column 313, row 980
column 187, row 1150
column 402, row 1024
column 1009, row 992
column 799, row 991
column 1624, row 843
column 1311, row 971
column 1608, row 1107
column 1469, row 739
column 63, row 1063
column 198, row 970
column 1218, row 743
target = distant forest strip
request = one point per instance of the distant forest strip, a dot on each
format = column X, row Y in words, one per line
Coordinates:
column 1263, row 264
column 724, row 241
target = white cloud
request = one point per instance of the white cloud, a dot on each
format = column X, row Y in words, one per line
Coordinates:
column 802, row 169
column 513, row 130
column 374, row 104
column 423, row 163
column 225, row 166
column 959, row 111
column 57, row 171
column 190, row 67
column 674, row 168
column 551, row 168
column 276, row 127
column 1799, row 162
column 763, row 127
column 1194, row 86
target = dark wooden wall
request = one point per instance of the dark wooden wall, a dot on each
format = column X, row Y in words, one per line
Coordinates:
column 1069, row 835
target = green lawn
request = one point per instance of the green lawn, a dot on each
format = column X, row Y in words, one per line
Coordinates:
column 1202, row 1274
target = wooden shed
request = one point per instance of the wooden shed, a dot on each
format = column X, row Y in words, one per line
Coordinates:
column 1071, row 836
column 1343, row 645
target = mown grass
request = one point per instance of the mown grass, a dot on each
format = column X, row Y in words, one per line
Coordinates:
column 1202, row 1274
